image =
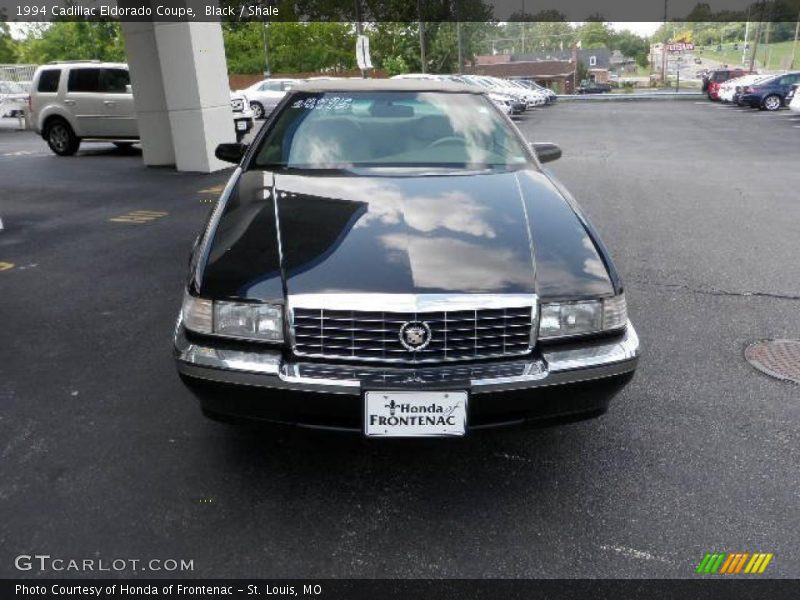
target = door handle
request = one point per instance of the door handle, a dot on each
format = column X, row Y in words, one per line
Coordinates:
column 109, row 103
column 69, row 102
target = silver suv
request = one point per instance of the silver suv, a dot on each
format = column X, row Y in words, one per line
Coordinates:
column 93, row 101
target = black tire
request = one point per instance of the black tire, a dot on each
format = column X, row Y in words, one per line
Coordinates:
column 258, row 110
column 123, row 145
column 772, row 102
column 61, row 138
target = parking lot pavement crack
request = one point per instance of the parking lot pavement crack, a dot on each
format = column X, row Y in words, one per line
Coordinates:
column 720, row 292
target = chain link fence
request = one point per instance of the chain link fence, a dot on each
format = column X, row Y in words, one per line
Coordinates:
column 14, row 81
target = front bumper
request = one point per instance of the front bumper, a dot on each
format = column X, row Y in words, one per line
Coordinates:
column 571, row 379
column 753, row 100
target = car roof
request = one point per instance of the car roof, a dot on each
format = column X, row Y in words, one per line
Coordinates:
column 387, row 85
column 92, row 64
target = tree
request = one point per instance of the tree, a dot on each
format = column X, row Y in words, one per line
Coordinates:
column 390, row 41
column 395, row 65
column 294, row 47
column 595, row 34
column 244, row 47
column 8, row 47
column 631, row 45
column 73, row 40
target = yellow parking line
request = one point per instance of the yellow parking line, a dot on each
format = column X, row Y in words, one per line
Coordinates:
column 139, row 216
column 212, row 190
column 5, row 266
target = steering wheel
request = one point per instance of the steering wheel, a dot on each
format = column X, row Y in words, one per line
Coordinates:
column 450, row 139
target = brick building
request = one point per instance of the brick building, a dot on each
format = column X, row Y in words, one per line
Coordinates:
column 558, row 75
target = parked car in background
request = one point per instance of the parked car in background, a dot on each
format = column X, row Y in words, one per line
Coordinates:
column 507, row 104
column 534, row 97
column 593, row 87
column 769, row 93
column 550, row 94
column 793, row 98
column 727, row 90
column 717, row 77
column 395, row 319
column 13, row 99
column 499, row 86
column 265, row 95
column 741, row 82
column 71, row 102
column 422, row 76
column 243, row 117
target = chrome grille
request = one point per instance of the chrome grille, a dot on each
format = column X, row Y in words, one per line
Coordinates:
column 237, row 104
column 427, row 375
column 375, row 335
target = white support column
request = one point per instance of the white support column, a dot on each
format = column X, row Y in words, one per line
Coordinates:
column 180, row 87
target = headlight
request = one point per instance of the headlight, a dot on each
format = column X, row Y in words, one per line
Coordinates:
column 234, row 319
column 565, row 319
column 254, row 321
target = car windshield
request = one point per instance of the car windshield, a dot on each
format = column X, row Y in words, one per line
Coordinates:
column 339, row 130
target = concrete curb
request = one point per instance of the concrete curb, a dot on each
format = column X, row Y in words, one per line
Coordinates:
column 632, row 97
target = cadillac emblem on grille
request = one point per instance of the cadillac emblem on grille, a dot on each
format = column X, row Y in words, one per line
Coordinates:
column 415, row 335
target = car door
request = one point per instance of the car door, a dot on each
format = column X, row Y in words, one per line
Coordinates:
column 785, row 83
column 117, row 99
column 84, row 101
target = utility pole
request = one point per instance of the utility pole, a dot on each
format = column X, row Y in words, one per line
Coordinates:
column 746, row 31
column 359, row 30
column 794, row 44
column 767, row 49
column 460, row 42
column 267, row 71
column 664, row 48
column 523, row 26
column 421, row 37
column 758, row 37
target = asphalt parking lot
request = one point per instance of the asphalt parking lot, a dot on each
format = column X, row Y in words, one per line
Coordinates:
column 105, row 455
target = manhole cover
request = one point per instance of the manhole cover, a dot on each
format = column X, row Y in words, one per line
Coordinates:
column 779, row 358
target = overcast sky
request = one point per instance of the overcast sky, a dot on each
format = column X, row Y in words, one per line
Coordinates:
column 646, row 29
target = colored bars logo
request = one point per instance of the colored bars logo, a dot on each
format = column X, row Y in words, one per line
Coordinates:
column 727, row 564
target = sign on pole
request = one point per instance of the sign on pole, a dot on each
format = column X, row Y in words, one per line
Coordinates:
column 362, row 53
column 679, row 47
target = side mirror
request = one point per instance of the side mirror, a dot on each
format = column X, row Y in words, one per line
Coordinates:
column 231, row 153
column 128, row 89
column 546, row 152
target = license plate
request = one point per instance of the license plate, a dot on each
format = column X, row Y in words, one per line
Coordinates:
column 415, row 414
column 241, row 125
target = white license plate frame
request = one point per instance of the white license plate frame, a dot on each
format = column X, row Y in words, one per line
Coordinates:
column 410, row 413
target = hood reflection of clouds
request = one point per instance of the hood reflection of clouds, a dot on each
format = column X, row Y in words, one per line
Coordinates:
column 454, row 210
column 593, row 266
column 478, row 268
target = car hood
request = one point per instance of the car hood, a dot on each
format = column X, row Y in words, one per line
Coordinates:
column 498, row 233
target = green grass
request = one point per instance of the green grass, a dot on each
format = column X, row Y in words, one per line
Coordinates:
column 770, row 57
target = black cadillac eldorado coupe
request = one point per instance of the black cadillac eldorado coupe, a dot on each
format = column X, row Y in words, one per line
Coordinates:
column 389, row 257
